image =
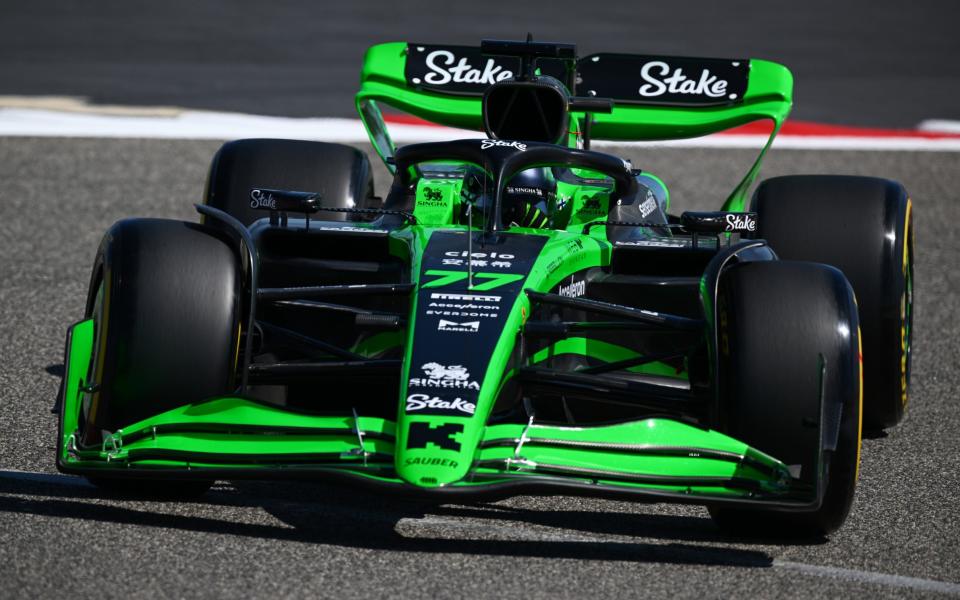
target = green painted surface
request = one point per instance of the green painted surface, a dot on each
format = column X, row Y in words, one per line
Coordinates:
column 769, row 97
column 236, row 433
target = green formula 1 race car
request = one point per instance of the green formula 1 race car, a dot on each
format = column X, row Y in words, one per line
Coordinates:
column 518, row 315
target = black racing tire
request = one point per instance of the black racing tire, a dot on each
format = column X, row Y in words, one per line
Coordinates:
column 862, row 226
column 165, row 299
column 341, row 174
column 776, row 319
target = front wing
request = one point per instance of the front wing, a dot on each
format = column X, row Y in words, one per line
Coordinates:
column 234, row 438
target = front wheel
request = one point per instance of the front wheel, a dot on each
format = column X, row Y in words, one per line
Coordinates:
column 165, row 302
column 789, row 334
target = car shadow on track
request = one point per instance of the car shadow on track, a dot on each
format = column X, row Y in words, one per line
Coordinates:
column 359, row 519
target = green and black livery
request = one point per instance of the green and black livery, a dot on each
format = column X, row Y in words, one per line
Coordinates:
column 434, row 343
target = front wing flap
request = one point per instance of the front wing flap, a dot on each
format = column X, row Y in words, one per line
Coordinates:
column 235, row 437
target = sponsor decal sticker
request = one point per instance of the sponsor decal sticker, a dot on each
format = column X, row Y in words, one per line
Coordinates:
column 431, row 461
column 262, row 200
column 418, row 402
column 442, row 436
column 487, row 144
column 440, row 376
column 740, row 222
column 675, row 80
column 347, row 228
column 661, row 79
column 478, row 260
column 574, row 290
column 489, row 280
column 648, row 206
column 662, row 243
column 468, row 326
column 445, row 67
column 591, row 205
column 465, row 298
column 431, row 197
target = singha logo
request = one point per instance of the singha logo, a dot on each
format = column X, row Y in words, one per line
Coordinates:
column 438, row 371
column 440, row 376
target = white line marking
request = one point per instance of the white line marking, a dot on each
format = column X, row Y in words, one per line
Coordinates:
column 201, row 125
column 853, row 575
column 939, row 126
column 885, row 579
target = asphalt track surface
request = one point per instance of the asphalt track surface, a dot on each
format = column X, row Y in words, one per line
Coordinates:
column 245, row 539
column 879, row 63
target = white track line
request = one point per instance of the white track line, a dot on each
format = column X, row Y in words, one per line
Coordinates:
column 853, row 575
column 201, row 125
column 884, row 579
column 939, row 126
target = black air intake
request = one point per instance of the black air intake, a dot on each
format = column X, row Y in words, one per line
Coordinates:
column 532, row 111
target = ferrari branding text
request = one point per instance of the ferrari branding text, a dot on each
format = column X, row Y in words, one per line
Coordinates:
column 416, row 402
column 445, row 68
column 677, row 83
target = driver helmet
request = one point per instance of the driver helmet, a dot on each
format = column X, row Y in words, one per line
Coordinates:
column 528, row 197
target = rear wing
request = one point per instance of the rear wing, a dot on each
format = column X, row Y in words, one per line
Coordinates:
column 655, row 97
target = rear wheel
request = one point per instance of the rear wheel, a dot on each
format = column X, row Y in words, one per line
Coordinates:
column 165, row 303
column 787, row 331
column 341, row 174
column 863, row 226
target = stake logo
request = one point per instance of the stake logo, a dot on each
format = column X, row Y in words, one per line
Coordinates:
column 486, row 144
column 445, row 67
column 417, row 402
column 660, row 81
column 262, row 200
column 740, row 222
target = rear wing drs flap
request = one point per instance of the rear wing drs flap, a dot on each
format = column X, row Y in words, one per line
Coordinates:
column 655, row 97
